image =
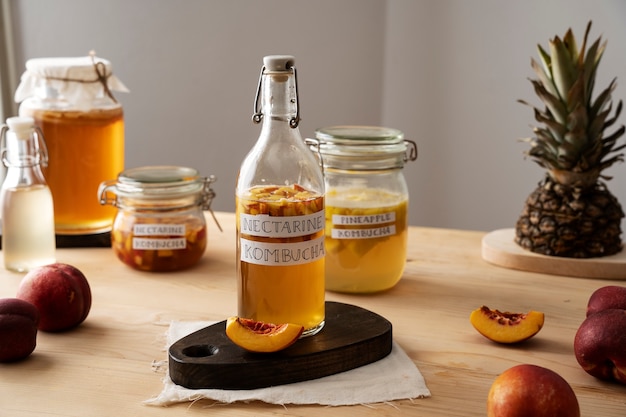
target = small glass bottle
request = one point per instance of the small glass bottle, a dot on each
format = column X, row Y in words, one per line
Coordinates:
column 366, row 206
column 28, row 239
column 280, row 211
column 160, row 224
column 72, row 103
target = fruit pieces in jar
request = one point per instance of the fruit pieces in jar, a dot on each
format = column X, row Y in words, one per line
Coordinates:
column 275, row 200
column 186, row 251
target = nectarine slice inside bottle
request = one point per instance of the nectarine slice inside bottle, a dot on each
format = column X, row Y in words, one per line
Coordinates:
column 506, row 327
column 257, row 336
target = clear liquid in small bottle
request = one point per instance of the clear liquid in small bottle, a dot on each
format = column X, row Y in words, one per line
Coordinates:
column 27, row 211
column 28, row 238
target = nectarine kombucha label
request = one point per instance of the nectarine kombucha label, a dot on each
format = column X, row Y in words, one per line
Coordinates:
column 366, row 237
column 280, row 248
column 286, row 252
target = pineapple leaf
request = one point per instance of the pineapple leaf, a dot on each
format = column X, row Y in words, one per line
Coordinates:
column 546, row 60
column 609, row 142
column 564, row 71
column 544, row 78
column 581, row 57
column 572, row 122
column 592, row 156
column 567, row 155
column 591, row 62
column 603, row 98
column 598, row 124
column 612, row 121
column 606, row 164
column 556, row 129
column 576, row 94
column 554, row 105
column 569, row 41
column 577, row 123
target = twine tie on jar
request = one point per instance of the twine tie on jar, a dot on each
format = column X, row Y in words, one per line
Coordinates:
column 101, row 76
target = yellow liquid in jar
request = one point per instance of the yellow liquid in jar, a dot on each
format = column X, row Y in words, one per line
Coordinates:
column 84, row 149
column 292, row 293
column 368, row 252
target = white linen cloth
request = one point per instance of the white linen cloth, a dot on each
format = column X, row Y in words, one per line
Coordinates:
column 394, row 377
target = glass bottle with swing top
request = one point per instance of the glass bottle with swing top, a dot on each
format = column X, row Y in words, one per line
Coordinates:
column 26, row 202
column 280, row 211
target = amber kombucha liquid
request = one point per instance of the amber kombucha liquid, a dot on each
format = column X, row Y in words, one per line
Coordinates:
column 281, row 279
column 366, row 239
column 84, row 149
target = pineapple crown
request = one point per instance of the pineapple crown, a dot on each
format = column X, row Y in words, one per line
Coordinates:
column 570, row 144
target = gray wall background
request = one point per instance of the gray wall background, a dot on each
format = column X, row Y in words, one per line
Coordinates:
column 448, row 73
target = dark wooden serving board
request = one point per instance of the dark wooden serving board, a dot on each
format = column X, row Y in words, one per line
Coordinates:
column 352, row 337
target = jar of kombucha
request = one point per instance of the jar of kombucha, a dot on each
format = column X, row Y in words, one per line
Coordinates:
column 160, row 224
column 280, row 211
column 72, row 103
column 366, row 206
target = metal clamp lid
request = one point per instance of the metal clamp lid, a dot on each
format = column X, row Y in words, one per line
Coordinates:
column 277, row 63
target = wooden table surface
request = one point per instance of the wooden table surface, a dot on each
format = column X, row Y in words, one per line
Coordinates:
column 105, row 366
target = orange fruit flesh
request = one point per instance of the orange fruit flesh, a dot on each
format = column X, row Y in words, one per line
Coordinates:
column 506, row 327
column 256, row 336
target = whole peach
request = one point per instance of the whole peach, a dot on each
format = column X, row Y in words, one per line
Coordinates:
column 531, row 390
column 60, row 292
column 600, row 345
column 18, row 329
column 605, row 298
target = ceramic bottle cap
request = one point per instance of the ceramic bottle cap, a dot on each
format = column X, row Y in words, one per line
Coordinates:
column 279, row 62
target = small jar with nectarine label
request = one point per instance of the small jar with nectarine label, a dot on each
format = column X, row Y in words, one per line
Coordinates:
column 366, row 205
column 160, row 224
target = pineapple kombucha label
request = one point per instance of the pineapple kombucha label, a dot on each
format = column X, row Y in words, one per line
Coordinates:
column 276, row 254
column 367, row 221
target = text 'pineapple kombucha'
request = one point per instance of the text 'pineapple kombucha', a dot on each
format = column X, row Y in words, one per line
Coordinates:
column 84, row 149
column 366, row 238
column 280, row 249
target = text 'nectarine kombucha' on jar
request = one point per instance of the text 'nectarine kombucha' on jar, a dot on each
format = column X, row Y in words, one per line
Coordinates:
column 280, row 212
column 366, row 206
column 71, row 102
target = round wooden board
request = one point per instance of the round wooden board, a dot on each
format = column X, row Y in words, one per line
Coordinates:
column 499, row 248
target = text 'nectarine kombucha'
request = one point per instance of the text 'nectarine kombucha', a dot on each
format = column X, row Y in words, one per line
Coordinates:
column 280, row 250
column 84, row 148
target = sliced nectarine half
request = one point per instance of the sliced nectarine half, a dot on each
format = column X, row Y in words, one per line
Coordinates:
column 257, row 336
column 506, row 327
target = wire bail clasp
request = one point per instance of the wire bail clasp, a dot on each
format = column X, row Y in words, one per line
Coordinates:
column 207, row 197
column 257, row 115
column 411, row 150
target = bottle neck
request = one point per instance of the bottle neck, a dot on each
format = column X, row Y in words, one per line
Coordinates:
column 23, row 157
column 279, row 96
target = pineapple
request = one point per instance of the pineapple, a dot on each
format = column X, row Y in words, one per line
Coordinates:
column 572, row 213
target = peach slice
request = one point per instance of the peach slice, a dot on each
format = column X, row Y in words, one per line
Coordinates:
column 506, row 327
column 257, row 336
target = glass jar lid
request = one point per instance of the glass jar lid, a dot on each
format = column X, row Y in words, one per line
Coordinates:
column 360, row 140
column 159, row 182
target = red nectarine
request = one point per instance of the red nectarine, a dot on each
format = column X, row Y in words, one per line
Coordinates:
column 531, row 390
column 60, row 292
column 18, row 329
column 600, row 345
